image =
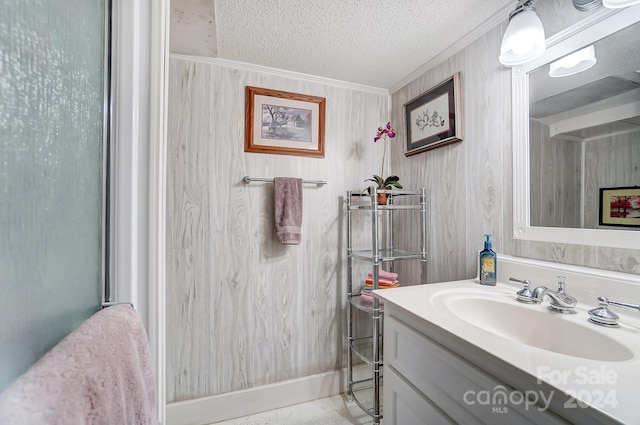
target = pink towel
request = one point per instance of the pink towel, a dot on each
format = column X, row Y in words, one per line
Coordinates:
column 100, row 374
column 384, row 275
column 288, row 209
column 366, row 297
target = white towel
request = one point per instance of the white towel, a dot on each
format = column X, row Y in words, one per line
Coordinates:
column 288, row 209
column 100, row 374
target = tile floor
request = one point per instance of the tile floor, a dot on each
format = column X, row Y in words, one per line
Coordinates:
column 336, row 410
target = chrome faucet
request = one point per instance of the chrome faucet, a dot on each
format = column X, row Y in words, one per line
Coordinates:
column 602, row 316
column 524, row 295
column 560, row 302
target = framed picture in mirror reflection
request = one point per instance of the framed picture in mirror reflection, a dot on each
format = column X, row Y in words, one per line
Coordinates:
column 434, row 118
column 620, row 206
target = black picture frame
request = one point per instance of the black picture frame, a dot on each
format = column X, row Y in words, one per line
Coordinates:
column 620, row 206
column 434, row 118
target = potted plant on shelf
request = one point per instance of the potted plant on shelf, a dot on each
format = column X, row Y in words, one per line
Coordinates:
column 390, row 182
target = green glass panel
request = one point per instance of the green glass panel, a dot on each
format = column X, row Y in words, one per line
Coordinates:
column 51, row 162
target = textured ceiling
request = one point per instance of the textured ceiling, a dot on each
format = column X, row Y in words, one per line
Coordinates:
column 372, row 42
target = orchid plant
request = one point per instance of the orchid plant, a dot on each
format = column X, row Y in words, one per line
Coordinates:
column 385, row 133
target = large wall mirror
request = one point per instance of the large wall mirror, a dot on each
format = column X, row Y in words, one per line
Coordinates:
column 577, row 134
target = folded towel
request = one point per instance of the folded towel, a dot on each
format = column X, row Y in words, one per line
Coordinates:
column 366, row 297
column 381, row 282
column 288, row 209
column 369, row 285
column 100, row 374
column 382, row 274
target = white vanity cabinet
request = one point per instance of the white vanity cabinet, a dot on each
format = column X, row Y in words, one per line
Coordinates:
column 464, row 353
column 426, row 383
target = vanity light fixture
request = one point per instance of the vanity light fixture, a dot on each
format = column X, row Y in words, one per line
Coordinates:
column 574, row 63
column 619, row 4
column 524, row 39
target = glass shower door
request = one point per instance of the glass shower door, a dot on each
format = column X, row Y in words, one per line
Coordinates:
column 52, row 103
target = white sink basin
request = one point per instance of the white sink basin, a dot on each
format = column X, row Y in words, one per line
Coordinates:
column 532, row 324
column 489, row 328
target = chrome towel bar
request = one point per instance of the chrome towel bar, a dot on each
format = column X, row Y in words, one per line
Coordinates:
column 248, row 180
column 112, row 303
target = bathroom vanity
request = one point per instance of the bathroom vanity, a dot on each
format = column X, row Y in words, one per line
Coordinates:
column 460, row 352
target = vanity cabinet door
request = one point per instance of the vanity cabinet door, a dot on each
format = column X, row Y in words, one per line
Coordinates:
column 404, row 405
column 457, row 388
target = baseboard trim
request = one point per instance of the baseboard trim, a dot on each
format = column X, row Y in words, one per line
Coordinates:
column 208, row 410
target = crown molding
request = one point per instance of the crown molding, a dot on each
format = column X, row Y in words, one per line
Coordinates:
column 470, row 37
column 227, row 63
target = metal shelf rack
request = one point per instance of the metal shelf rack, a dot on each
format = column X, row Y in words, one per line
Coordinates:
column 369, row 348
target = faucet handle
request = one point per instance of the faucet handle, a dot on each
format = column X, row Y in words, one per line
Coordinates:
column 561, row 280
column 524, row 295
column 602, row 316
column 621, row 304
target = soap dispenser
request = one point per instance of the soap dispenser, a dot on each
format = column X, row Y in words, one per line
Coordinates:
column 488, row 265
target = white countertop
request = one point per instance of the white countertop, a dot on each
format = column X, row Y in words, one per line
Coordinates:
column 612, row 387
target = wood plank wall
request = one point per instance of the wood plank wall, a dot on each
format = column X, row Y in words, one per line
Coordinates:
column 470, row 183
column 242, row 309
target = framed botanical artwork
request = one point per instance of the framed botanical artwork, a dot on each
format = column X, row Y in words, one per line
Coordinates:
column 434, row 118
column 620, row 206
column 284, row 123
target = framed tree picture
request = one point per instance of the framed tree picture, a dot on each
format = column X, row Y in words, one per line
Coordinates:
column 434, row 118
column 620, row 206
column 284, row 123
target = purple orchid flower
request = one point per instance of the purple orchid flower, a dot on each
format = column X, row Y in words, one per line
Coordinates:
column 387, row 131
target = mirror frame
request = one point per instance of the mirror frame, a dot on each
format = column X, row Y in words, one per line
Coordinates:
column 596, row 26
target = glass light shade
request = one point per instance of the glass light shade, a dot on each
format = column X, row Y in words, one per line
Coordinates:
column 523, row 40
column 575, row 62
column 619, row 4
